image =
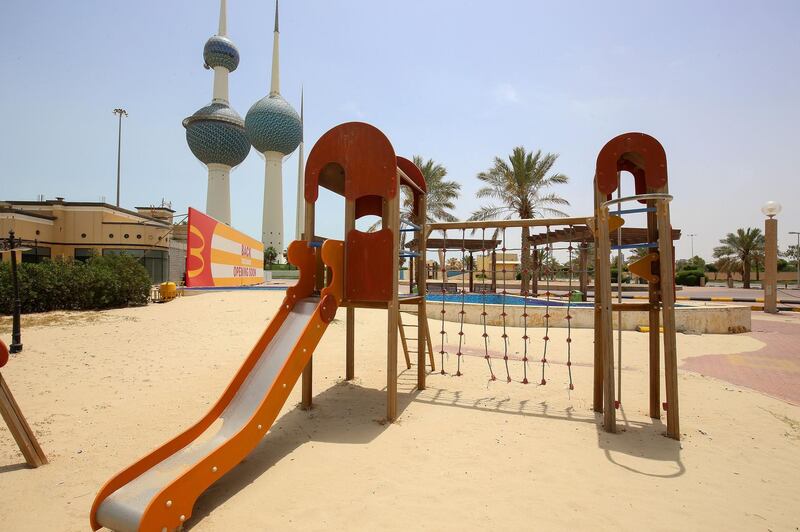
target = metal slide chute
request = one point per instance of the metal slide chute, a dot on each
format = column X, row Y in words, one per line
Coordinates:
column 159, row 490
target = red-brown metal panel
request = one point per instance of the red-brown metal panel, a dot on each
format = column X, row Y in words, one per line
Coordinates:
column 637, row 153
column 368, row 271
column 411, row 170
column 369, row 205
column 364, row 155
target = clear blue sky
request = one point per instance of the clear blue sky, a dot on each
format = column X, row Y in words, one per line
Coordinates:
column 459, row 81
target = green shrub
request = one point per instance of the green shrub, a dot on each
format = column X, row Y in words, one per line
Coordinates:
column 689, row 277
column 102, row 282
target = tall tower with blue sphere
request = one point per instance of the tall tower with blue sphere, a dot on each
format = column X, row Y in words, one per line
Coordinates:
column 215, row 133
column 274, row 129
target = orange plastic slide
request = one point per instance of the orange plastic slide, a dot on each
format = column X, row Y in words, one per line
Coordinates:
column 157, row 492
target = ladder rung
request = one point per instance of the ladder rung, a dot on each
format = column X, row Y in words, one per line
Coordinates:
column 407, row 338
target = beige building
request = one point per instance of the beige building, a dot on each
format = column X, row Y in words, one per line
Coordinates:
column 502, row 266
column 78, row 230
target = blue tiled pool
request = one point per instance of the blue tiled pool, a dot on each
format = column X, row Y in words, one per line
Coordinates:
column 497, row 299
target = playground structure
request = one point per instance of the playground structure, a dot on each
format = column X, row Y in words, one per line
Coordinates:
column 357, row 161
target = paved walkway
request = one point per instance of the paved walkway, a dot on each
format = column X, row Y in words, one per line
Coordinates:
column 774, row 369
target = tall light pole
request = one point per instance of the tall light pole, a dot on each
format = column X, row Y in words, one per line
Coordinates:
column 119, row 112
column 691, row 236
column 797, row 255
column 770, row 283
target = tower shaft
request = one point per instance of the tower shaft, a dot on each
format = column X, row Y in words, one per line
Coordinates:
column 272, row 219
column 218, row 197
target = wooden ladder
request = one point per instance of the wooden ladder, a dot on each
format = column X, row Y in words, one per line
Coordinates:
column 405, row 339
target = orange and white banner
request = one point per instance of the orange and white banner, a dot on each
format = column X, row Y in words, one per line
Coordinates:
column 218, row 255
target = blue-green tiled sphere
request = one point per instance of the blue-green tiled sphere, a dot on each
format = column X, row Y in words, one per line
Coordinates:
column 215, row 134
column 220, row 51
column 273, row 125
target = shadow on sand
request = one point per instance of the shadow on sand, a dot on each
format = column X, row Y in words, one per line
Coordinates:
column 351, row 414
column 344, row 413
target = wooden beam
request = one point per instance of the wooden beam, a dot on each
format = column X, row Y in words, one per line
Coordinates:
column 668, row 319
column 391, row 220
column 307, row 388
column 537, row 222
column 603, row 286
column 19, row 428
column 423, row 335
column 350, row 332
column 654, row 320
column 350, row 344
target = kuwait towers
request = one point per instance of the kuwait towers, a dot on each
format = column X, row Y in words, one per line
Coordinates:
column 215, row 133
column 274, row 129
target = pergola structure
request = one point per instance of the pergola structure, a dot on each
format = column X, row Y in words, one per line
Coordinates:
column 624, row 236
column 466, row 246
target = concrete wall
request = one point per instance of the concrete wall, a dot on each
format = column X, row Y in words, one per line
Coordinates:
column 690, row 319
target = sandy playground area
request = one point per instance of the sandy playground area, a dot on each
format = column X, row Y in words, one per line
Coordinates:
column 101, row 389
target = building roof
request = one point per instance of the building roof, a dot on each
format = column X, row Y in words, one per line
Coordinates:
column 58, row 201
column 12, row 210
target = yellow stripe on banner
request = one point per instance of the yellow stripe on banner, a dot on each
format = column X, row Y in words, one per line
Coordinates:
column 760, row 300
column 683, row 298
column 756, row 307
column 237, row 281
column 219, row 256
column 795, row 309
column 641, row 297
column 721, row 299
column 232, row 234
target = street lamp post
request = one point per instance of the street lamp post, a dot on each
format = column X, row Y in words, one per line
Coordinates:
column 16, row 334
column 770, row 210
column 119, row 112
column 691, row 236
column 797, row 256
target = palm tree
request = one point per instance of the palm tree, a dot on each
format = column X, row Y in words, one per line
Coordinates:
column 729, row 265
column 440, row 198
column 742, row 245
column 520, row 185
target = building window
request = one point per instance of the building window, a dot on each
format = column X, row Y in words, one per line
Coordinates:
column 138, row 237
column 156, row 262
column 84, row 254
column 83, row 235
column 110, row 235
column 36, row 254
column 127, row 235
column 38, row 232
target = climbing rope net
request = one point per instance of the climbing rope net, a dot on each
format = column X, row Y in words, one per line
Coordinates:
column 502, row 291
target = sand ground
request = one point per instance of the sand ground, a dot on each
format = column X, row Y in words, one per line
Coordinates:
column 102, row 389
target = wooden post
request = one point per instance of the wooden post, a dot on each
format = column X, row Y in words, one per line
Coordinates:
column 668, row 318
column 583, row 264
column 423, row 336
column 350, row 332
column 350, row 336
column 22, row 433
column 391, row 220
column 603, row 286
column 654, row 322
column 308, row 372
column 597, row 402
column 770, row 266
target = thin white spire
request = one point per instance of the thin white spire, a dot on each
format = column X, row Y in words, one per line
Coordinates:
column 300, row 215
column 223, row 18
column 276, row 82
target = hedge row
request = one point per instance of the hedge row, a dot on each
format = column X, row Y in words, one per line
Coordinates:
column 101, row 282
column 689, row 277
